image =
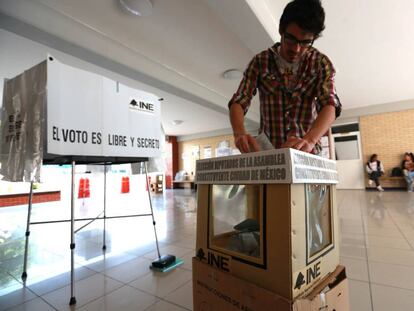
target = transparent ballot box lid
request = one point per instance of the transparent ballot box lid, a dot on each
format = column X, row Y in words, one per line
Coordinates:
column 318, row 220
column 236, row 221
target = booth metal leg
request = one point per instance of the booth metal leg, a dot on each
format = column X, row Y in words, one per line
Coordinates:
column 104, row 215
column 72, row 239
column 152, row 211
column 27, row 234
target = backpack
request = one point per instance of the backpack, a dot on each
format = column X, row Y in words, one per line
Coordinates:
column 396, row 172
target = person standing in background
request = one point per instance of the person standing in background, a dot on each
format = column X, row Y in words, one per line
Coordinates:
column 407, row 167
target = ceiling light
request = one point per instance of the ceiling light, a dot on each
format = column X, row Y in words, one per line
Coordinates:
column 137, row 7
column 232, row 74
column 177, row 122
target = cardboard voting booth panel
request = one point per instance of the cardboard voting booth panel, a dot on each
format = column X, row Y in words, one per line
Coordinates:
column 53, row 112
column 216, row 290
column 269, row 218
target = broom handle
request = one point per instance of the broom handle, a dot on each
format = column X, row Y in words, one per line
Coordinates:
column 152, row 211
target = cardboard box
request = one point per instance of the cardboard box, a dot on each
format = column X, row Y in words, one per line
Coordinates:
column 269, row 218
column 282, row 264
column 220, row 291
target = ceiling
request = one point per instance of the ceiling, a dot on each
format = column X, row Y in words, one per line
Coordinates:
column 180, row 51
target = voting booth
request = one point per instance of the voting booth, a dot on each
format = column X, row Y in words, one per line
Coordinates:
column 269, row 219
column 57, row 113
column 54, row 113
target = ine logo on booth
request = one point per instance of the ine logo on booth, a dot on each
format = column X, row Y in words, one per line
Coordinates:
column 141, row 106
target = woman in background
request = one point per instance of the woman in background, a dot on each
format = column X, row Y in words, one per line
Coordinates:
column 375, row 170
column 407, row 167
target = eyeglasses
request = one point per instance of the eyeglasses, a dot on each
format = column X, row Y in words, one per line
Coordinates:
column 291, row 39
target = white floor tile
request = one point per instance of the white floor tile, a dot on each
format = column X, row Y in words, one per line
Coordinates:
column 409, row 233
column 40, row 262
column 17, row 296
column 359, row 296
column 358, row 252
column 384, row 232
column 351, row 229
column 406, row 225
column 130, row 270
column 386, row 222
column 86, row 291
column 356, row 269
column 352, row 239
column 188, row 261
column 169, row 249
column 373, row 241
column 8, row 283
column 392, row 275
column 125, row 298
column 186, row 242
column 142, row 250
column 36, row 304
column 161, row 284
column 108, row 261
column 350, row 223
column 183, row 296
column 389, row 298
column 164, row 306
column 411, row 242
column 391, row 255
column 41, row 286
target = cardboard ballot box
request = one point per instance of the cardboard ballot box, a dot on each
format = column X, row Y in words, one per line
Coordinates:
column 269, row 218
column 220, row 291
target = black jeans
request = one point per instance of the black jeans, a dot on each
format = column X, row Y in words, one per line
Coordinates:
column 375, row 177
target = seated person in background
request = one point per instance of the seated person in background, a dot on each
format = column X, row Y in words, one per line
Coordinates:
column 375, row 170
column 408, row 169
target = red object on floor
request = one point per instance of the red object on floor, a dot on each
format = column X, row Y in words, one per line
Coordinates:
column 125, row 185
column 81, row 191
column 84, row 190
column 87, row 189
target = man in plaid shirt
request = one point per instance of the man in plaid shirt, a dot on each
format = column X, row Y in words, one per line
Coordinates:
column 298, row 102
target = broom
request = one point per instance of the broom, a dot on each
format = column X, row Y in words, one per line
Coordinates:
column 167, row 262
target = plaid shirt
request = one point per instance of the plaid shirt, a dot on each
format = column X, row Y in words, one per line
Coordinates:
column 288, row 112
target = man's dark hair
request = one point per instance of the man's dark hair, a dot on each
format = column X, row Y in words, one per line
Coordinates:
column 371, row 159
column 307, row 14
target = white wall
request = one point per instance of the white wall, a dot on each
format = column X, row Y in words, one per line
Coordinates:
column 18, row 54
column 351, row 174
column 350, row 167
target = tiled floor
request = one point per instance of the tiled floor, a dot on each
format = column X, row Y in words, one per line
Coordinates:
column 377, row 248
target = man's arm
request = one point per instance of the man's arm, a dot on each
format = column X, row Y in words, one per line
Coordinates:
column 239, row 104
column 243, row 141
column 321, row 125
column 329, row 111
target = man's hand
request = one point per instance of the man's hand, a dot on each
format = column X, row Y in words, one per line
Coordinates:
column 246, row 143
column 299, row 143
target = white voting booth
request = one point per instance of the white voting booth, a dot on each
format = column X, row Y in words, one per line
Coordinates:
column 57, row 114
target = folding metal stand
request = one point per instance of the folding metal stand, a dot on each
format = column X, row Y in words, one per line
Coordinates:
column 72, row 221
column 27, row 234
column 152, row 211
column 72, row 238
